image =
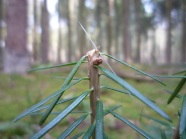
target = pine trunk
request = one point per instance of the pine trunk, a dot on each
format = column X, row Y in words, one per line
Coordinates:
column 69, row 17
column 183, row 40
column 98, row 14
column 45, row 34
column 35, row 32
column 117, row 27
column 126, row 33
column 16, row 58
column 81, row 36
column 138, row 30
column 2, row 30
column 109, row 5
column 59, row 41
column 168, row 33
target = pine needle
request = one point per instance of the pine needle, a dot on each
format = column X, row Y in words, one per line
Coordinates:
column 96, row 48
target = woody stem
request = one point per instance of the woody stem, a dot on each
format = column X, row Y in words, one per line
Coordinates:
column 93, row 83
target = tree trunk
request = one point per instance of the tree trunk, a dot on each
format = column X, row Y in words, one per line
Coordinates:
column 59, row 40
column 183, row 40
column 69, row 17
column 168, row 33
column 62, row 12
column 81, row 36
column 35, row 32
column 16, row 58
column 45, row 33
column 2, row 30
column 117, row 27
column 59, row 31
column 138, row 30
column 109, row 8
column 153, row 52
column 126, row 32
column 98, row 14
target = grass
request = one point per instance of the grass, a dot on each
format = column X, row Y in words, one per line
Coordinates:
column 19, row 92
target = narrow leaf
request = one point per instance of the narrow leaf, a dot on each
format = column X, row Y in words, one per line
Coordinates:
column 56, row 113
column 177, row 96
column 99, row 120
column 41, row 113
column 182, row 125
column 159, row 121
column 88, row 36
column 144, row 73
column 56, row 66
column 163, row 135
column 180, row 72
column 34, row 107
column 117, row 90
column 177, row 89
column 140, row 131
column 77, row 136
column 75, row 112
column 58, row 77
column 183, row 135
column 60, row 102
column 111, row 109
column 171, row 76
column 89, row 132
column 66, row 82
column 61, row 116
column 135, row 92
column 72, row 127
column 114, row 89
column 105, row 136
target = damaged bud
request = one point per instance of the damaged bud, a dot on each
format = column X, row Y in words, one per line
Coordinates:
column 94, row 57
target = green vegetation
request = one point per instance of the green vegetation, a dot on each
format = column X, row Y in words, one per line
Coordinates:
column 19, row 92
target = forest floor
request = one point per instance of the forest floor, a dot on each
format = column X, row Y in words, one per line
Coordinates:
column 18, row 92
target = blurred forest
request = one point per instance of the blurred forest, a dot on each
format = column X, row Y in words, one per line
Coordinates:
column 150, row 34
column 36, row 32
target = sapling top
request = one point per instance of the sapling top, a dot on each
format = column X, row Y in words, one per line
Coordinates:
column 97, row 111
column 94, row 57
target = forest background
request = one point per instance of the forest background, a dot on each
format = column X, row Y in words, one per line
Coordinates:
column 47, row 32
column 140, row 31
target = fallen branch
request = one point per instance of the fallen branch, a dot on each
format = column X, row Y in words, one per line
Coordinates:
column 138, row 78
